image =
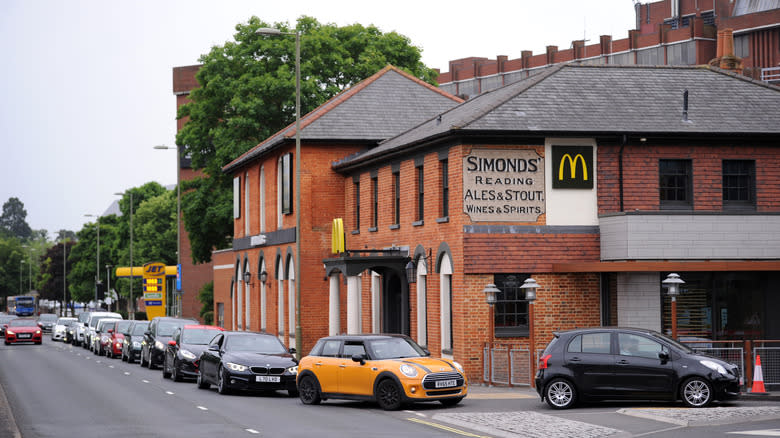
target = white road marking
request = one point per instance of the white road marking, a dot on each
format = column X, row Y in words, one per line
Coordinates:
column 144, row 380
column 126, row 373
column 169, row 392
column 419, row 414
column 203, row 408
column 252, row 431
column 765, row 432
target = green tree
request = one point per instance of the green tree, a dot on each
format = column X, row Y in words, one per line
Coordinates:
column 13, row 274
column 247, row 93
column 206, row 297
column 82, row 257
column 51, row 280
column 13, row 221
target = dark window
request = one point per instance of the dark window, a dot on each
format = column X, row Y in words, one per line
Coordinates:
column 420, row 193
column 739, row 182
column 357, row 205
column 675, row 184
column 590, row 343
column 374, row 201
column 445, row 188
column 397, row 197
column 352, row 348
column 708, row 17
column 287, row 185
column 511, row 308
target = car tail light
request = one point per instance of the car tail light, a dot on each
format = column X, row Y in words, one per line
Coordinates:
column 543, row 362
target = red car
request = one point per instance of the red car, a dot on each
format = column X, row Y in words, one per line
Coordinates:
column 22, row 330
column 117, row 338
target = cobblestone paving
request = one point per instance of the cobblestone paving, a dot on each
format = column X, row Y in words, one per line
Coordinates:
column 527, row 424
column 706, row 416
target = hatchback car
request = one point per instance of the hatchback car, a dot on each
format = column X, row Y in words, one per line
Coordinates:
column 23, row 330
column 391, row 370
column 247, row 361
column 116, row 339
column 134, row 335
column 102, row 335
column 46, row 321
column 60, row 328
column 184, row 350
column 608, row 363
column 156, row 338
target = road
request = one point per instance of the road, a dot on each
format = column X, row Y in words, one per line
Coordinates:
column 57, row 390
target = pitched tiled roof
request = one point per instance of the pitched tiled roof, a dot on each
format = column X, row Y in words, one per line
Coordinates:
column 572, row 99
column 379, row 107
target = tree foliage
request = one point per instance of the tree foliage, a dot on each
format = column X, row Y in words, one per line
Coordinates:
column 206, row 298
column 13, row 221
column 247, row 93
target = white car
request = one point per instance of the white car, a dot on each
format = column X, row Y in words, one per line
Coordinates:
column 80, row 328
column 58, row 332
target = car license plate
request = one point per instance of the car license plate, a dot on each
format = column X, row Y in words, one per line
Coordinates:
column 446, row 383
column 271, row 379
column 24, row 335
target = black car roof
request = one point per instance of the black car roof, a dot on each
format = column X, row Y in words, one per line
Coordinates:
column 365, row 336
column 605, row 329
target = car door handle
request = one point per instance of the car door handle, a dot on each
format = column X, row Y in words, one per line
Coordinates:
column 575, row 359
column 319, row 364
column 623, row 362
column 342, row 366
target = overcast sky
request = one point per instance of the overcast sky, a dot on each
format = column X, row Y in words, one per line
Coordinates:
column 86, row 86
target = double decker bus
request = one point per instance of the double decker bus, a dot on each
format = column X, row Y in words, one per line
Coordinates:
column 22, row 305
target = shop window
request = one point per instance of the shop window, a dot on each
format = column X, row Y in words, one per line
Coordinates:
column 675, row 184
column 739, row 183
column 511, row 308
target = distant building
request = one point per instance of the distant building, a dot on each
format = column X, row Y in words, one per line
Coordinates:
column 667, row 32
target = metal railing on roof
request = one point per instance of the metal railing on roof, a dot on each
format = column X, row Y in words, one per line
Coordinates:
column 770, row 74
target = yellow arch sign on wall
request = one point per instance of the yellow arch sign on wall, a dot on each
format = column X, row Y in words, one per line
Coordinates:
column 154, row 292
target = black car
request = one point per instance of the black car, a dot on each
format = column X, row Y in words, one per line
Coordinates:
column 184, row 350
column 248, row 361
column 156, row 337
column 134, row 336
column 608, row 363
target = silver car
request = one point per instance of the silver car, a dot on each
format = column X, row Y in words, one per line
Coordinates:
column 58, row 332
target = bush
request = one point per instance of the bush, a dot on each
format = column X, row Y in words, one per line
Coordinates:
column 208, row 317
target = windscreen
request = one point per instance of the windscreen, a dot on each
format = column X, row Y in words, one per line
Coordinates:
column 392, row 348
column 198, row 336
column 166, row 328
column 256, row 344
column 139, row 329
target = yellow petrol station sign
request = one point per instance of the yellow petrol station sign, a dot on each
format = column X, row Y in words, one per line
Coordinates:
column 154, row 289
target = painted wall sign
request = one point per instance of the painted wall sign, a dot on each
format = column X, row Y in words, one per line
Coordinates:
column 572, row 167
column 504, row 185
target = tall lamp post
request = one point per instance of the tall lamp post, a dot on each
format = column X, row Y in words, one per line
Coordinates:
column 530, row 285
column 21, row 262
column 672, row 284
column 298, row 279
column 178, row 220
column 64, row 277
column 131, row 302
column 97, row 265
column 490, row 292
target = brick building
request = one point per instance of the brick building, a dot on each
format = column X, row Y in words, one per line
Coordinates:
column 667, row 32
column 595, row 180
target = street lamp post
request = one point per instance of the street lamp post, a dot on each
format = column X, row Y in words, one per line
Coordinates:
column 178, row 220
column 298, row 279
column 672, row 284
column 21, row 262
column 530, row 285
column 64, row 277
column 97, row 264
column 490, row 298
column 108, row 287
column 131, row 303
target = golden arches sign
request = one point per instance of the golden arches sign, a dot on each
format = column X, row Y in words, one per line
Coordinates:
column 579, row 160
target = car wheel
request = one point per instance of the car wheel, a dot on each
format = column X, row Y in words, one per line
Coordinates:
column 388, row 395
column 166, row 373
column 696, row 392
column 222, row 387
column 450, row 401
column 560, row 394
column 150, row 363
column 175, row 373
column 202, row 383
column 142, row 360
column 309, row 391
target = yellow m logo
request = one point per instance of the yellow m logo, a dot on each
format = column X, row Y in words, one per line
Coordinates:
column 573, row 165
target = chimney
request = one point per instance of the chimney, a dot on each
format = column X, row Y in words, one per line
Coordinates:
column 525, row 58
column 726, row 59
column 551, row 54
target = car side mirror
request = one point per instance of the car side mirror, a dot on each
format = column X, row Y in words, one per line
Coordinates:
column 427, row 353
column 147, row 333
column 214, row 347
column 111, row 330
column 292, row 350
column 172, row 343
column 359, row 358
column 664, row 356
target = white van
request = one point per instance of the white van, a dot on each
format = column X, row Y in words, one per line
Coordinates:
column 89, row 326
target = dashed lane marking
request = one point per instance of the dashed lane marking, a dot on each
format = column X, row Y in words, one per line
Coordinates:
column 447, row 428
column 169, row 392
column 765, row 432
column 203, row 408
column 252, row 431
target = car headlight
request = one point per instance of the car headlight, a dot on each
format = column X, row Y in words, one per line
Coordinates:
column 293, row 370
column 37, row 332
column 235, row 366
column 159, row 345
column 714, row 366
column 458, row 366
column 408, row 370
column 10, row 332
column 187, row 354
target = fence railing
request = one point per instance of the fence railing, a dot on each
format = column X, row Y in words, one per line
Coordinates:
column 511, row 365
column 770, row 74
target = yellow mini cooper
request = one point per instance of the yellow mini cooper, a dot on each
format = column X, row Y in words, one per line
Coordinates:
column 389, row 369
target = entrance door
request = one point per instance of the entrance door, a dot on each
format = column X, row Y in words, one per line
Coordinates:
column 395, row 305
